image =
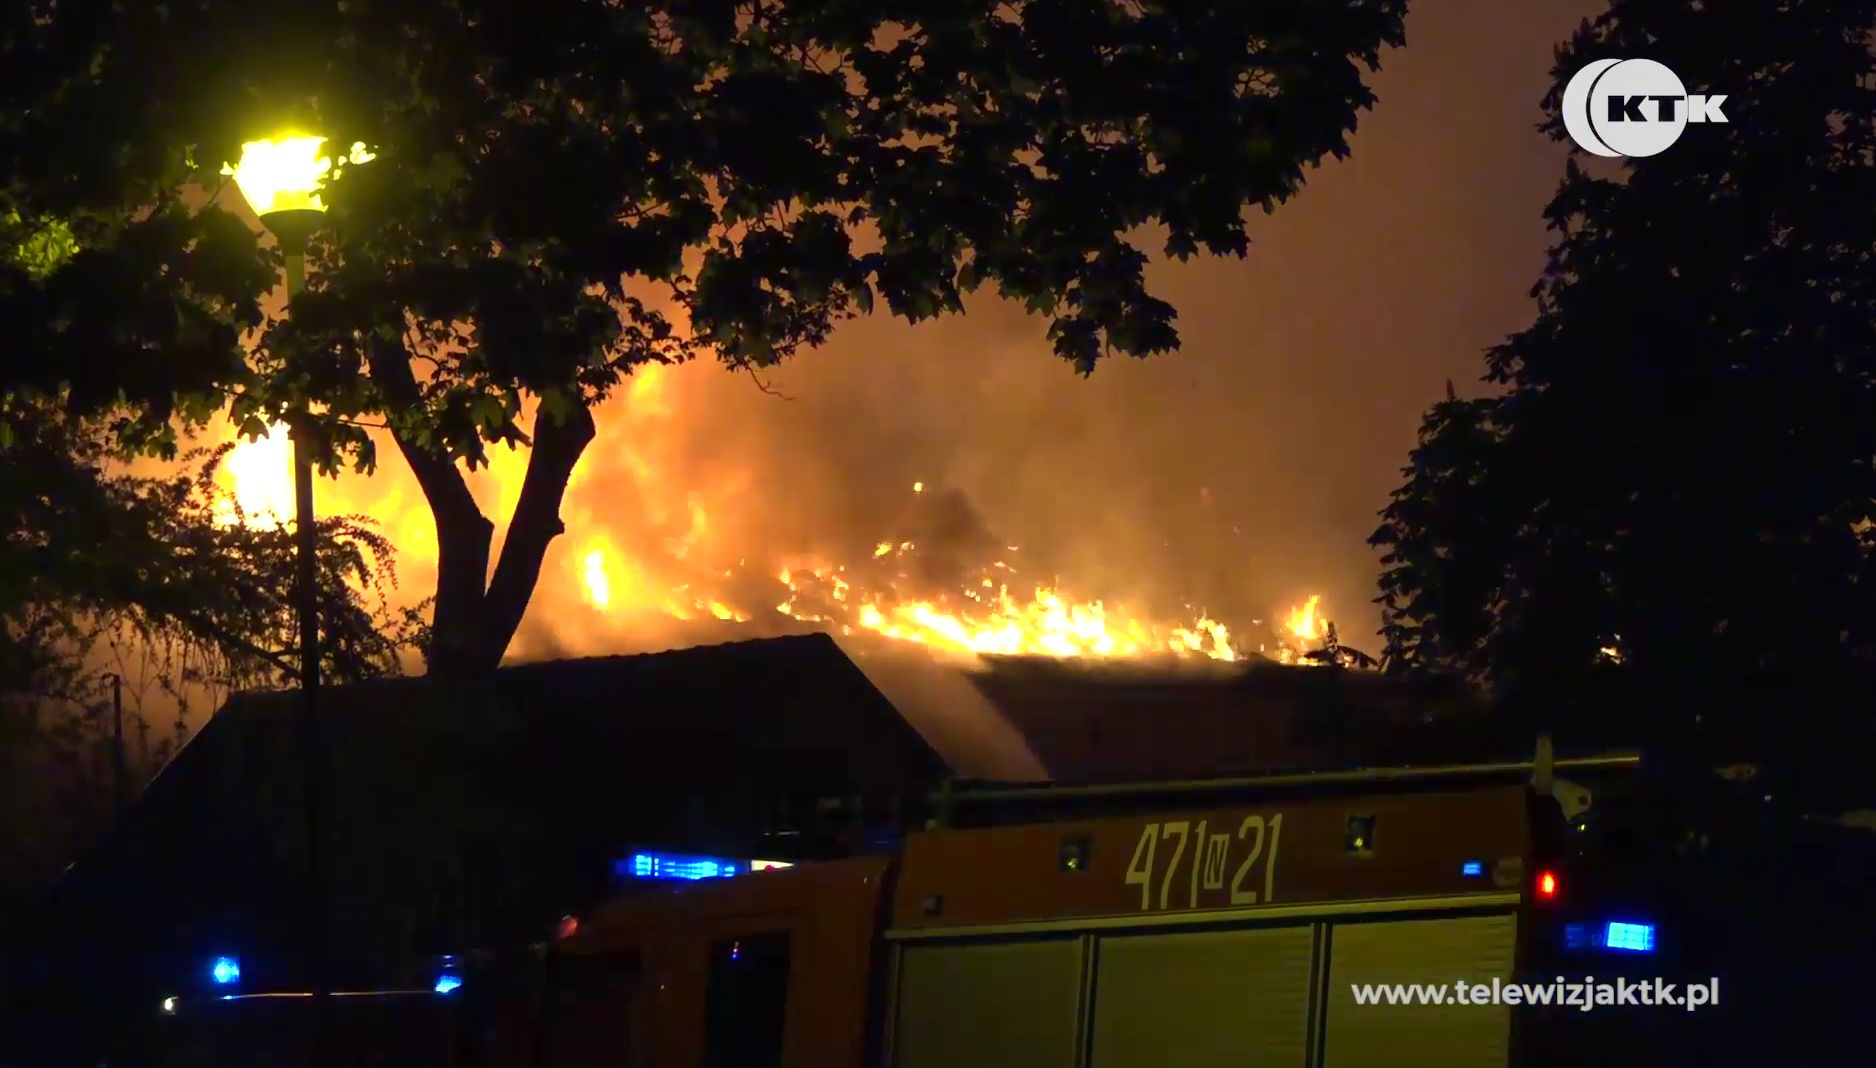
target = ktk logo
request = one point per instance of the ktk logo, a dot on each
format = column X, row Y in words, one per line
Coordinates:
column 1632, row 107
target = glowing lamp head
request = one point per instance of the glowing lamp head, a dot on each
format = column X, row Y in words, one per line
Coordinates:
column 282, row 177
column 226, row 971
column 1547, row 885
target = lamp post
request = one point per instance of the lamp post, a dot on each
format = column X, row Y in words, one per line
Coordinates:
column 281, row 178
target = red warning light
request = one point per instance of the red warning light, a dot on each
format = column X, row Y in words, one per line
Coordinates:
column 1547, row 885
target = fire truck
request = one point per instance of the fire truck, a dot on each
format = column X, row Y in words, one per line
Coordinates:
column 1231, row 921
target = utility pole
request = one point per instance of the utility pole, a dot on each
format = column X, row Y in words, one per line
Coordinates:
column 312, row 737
column 119, row 789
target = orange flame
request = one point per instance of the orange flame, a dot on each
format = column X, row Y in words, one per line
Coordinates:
column 598, row 586
column 985, row 616
column 1304, row 624
column 684, row 572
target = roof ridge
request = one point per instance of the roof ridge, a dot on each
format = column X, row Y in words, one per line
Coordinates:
column 512, row 670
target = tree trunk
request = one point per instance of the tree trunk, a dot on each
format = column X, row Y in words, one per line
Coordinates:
column 475, row 616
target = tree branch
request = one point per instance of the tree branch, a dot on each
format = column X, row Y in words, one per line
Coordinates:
column 443, row 485
column 463, row 533
column 764, row 386
column 535, row 523
column 210, row 631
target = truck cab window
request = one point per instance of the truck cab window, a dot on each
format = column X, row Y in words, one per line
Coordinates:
column 745, row 1001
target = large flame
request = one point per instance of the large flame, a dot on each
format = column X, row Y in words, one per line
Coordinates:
column 258, row 478
column 681, row 561
column 997, row 614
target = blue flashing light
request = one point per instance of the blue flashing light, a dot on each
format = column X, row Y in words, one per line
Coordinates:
column 225, row 970
column 677, row 866
column 447, row 983
column 1472, row 869
column 1630, row 937
column 1575, row 936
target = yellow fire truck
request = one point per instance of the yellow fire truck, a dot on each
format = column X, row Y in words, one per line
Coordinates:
column 1227, row 922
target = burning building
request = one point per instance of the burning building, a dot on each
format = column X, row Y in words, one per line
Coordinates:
column 896, row 600
column 660, row 540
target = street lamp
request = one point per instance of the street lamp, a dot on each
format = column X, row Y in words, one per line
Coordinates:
column 281, row 178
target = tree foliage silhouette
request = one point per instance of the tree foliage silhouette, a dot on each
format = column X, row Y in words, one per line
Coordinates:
column 567, row 189
column 108, row 572
column 1661, row 507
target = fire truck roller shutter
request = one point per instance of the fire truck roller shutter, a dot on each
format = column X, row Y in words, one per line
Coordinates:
column 988, row 1004
column 1475, row 949
column 1202, row 998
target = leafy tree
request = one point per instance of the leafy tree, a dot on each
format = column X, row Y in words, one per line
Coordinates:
column 567, row 189
column 126, row 312
column 106, row 573
column 123, row 316
column 87, row 549
column 1661, row 509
